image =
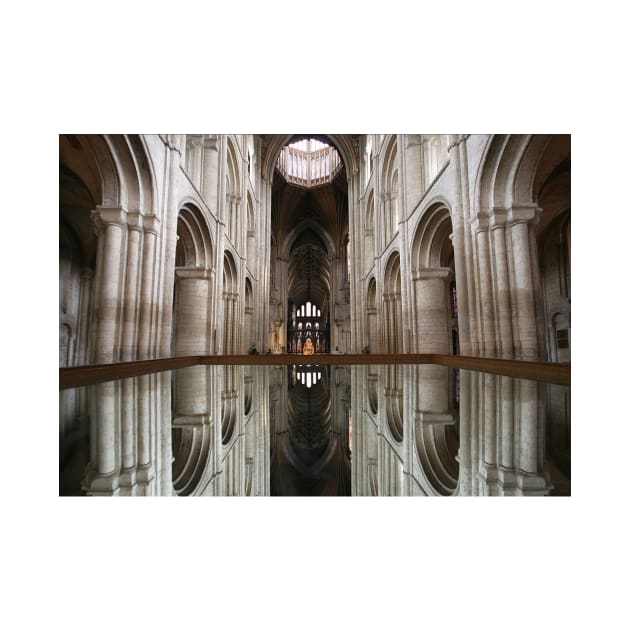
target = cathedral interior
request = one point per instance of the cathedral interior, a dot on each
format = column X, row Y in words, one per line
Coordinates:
column 314, row 315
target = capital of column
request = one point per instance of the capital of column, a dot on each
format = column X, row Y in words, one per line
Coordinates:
column 439, row 273
column 479, row 222
column 103, row 216
column 523, row 214
column 211, row 141
column 135, row 221
column 227, row 296
column 150, row 223
column 192, row 273
column 497, row 218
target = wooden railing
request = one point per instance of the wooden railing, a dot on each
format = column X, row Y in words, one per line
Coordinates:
column 556, row 373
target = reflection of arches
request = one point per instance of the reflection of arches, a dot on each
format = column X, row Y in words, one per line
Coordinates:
column 192, row 446
column 229, row 400
column 436, row 429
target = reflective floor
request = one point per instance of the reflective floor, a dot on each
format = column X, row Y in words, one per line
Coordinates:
column 309, row 430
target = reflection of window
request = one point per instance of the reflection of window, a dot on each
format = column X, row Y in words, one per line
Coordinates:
column 308, row 375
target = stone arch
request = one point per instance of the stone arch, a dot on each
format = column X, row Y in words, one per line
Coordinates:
column 307, row 224
column 233, row 193
column 389, row 189
column 392, row 320
column 251, row 234
column 370, row 234
column 194, row 245
column 431, row 245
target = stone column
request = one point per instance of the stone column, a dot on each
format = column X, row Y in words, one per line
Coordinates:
column 475, row 430
column 431, row 297
column 150, row 224
column 528, row 435
column 506, row 457
column 489, row 433
column 488, row 337
column 505, row 344
column 104, row 477
column 145, row 472
column 111, row 223
column 465, row 435
column 210, row 178
column 520, row 218
column 128, row 438
column 192, row 310
column 134, row 236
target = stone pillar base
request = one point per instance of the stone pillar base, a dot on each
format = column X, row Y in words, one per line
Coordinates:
column 128, row 482
column 103, row 485
column 528, row 484
column 145, row 480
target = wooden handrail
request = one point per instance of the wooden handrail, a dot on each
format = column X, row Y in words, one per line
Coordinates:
column 556, row 373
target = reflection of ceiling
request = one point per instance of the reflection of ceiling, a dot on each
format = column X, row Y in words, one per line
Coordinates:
column 310, row 414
